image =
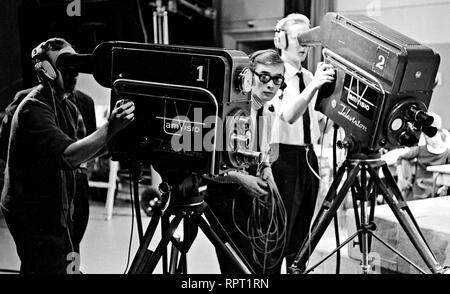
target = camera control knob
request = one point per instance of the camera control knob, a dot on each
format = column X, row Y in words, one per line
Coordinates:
column 343, row 144
column 164, row 187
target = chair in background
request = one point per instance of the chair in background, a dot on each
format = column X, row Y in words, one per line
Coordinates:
column 111, row 185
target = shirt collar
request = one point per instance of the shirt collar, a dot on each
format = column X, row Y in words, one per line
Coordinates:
column 256, row 103
column 291, row 71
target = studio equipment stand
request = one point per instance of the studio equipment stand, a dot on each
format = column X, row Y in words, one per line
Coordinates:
column 363, row 180
column 191, row 210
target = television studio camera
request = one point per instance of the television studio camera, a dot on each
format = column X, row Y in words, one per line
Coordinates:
column 382, row 89
column 192, row 124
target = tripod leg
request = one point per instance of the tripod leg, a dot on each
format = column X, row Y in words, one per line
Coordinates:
column 162, row 246
column 396, row 191
column 143, row 251
column 360, row 197
column 174, row 258
column 165, row 222
column 233, row 254
column 190, row 230
column 355, row 194
column 325, row 215
column 405, row 218
column 217, row 242
column 331, row 195
column 364, row 220
column 137, row 207
column 373, row 200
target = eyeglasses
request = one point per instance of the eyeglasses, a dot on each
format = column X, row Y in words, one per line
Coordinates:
column 265, row 78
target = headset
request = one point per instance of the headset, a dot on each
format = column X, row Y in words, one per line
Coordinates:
column 43, row 58
column 281, row 39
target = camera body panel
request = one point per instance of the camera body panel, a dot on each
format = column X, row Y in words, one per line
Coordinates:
column 380, row 75
column 189, row 109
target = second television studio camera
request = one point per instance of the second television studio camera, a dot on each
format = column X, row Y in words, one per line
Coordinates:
column 191, row 124
column 383, row 86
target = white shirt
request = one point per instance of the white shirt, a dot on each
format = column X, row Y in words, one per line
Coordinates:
column 284, row 132
column 266, row 121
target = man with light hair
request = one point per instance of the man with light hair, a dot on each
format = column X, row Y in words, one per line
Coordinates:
column 295, row 130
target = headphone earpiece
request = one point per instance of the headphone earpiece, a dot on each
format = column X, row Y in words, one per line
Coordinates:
column 45, row 69
column 283, row 86
column 280, row 39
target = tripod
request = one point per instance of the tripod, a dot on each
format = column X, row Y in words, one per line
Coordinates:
column 364, row 191
column 191, row 214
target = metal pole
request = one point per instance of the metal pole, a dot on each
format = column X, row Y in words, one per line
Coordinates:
column 155, row 27
column 165, row 27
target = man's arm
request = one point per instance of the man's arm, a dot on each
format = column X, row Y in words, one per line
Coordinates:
column 412, row 153
column 84, row 149
column 294, row 109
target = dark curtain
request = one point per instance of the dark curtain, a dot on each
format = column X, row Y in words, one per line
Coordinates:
column 99, row 21
column 300, row 6
column 10, row 59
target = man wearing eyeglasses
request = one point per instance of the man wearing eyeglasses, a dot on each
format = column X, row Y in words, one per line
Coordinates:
column 232, row 205
column 295, row 130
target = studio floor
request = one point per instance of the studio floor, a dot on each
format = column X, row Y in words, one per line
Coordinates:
column 105, row 246
column 104, row 249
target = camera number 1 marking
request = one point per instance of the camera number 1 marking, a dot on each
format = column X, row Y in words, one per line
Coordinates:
column 380, row 61
column 200, row 72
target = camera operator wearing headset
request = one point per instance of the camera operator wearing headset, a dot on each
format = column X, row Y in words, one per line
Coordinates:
column 45, row 150
column 295, row 130
column 85, row 105
column 233, row 204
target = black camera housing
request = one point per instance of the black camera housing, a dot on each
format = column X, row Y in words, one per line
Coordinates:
column 190, row 112
column 384, row 82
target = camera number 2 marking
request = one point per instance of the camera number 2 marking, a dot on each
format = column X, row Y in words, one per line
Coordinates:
column 380, row 61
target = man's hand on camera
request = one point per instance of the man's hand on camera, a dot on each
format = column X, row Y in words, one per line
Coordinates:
column 121, row 116
column 325, row 73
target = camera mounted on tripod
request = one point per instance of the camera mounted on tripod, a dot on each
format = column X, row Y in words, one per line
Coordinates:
column 192, row 105
column 192, row 108
column 383, row 86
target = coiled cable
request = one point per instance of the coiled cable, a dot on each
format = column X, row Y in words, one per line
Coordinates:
column 266, row 228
